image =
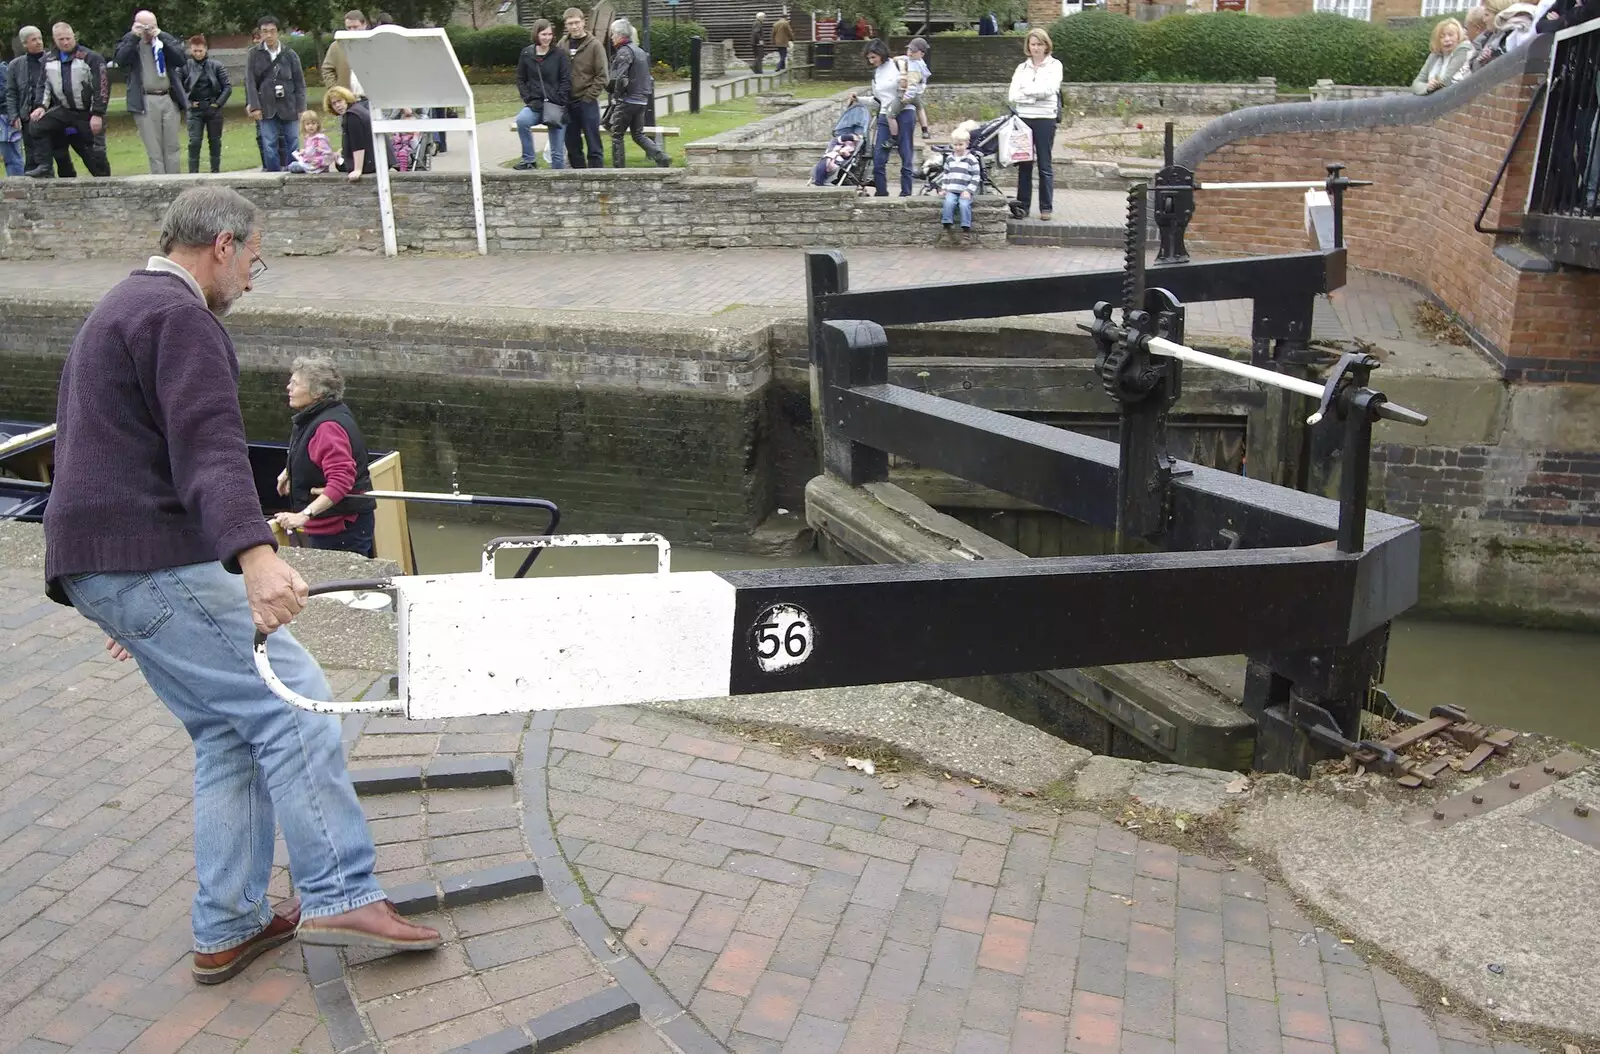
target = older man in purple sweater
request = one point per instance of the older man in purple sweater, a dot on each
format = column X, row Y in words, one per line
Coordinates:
column 154, row 532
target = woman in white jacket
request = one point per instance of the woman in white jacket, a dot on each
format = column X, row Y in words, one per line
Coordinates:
column 1036, row 96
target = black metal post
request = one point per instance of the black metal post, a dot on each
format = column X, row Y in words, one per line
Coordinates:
column 1355, row 468
column 644, row 42
column 827, row 273
column 1174, row 204
column 853, row 354
column 695, row 44
column 1336, row 188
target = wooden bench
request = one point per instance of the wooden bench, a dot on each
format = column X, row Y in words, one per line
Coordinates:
column 659, row 132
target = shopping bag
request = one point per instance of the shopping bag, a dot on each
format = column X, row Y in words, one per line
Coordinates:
column 1016, row 142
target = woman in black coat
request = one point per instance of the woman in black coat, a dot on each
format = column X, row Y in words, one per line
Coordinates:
column 544, row 80
column 355, row 121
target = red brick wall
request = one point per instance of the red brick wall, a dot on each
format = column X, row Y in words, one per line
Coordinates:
column 1416, row 221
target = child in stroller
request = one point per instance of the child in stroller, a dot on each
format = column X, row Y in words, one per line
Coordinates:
column 844, row 163
column 983, row 141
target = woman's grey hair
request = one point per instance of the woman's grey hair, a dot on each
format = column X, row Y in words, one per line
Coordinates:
column 198, row 216
column 320, row 376
column 27, row 33
column 622, row 28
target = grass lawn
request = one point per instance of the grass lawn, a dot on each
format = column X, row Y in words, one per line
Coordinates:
column 495, row 102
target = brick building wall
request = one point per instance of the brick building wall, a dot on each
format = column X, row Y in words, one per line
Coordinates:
column 1430, row 175
column 626, row 428
column 533, row 211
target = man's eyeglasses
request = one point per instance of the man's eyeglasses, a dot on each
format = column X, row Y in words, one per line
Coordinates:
column 258, row 267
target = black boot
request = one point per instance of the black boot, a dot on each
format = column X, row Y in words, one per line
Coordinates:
column 45, row 171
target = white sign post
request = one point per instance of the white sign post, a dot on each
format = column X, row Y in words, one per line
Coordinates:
column 413, row 69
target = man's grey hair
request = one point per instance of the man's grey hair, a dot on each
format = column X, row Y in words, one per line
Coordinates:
column 622, row 28
column 198, row 216
column 320, row 376
column 27, row 33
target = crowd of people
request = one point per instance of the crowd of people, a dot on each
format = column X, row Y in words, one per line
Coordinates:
column 898, row 85
column 1493, row 28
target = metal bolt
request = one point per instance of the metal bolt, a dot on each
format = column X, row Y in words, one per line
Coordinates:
column 1581, row 810
column 1438, row 814
column 1516, row 784
column 1477, row 799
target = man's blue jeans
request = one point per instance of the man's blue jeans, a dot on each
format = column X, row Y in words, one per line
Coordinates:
column 557, row 136
column 583, row 132
column 11, row 155
column 279, row 140
column 880, row 156
column 256, row 758
column 953, row 201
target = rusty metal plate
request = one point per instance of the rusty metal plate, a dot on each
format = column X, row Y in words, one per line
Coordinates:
column 1504, row 789
column 1580, row 821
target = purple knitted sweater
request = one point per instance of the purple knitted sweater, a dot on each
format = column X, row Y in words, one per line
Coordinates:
column 151, row 468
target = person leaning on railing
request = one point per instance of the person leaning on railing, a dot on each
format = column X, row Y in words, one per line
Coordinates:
column 1449, row 51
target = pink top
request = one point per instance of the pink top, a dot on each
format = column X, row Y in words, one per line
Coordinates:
column 330, row 451
column 316, row 153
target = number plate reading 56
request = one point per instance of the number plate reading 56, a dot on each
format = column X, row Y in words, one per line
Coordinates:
column 782, row 637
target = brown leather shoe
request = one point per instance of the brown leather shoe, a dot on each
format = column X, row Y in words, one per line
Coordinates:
column 216, row 967
column 375, row 925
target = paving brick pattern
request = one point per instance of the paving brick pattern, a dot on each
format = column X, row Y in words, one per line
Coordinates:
column 796, row 905
column 789, row 903
column 695, row 282
column 97, row 873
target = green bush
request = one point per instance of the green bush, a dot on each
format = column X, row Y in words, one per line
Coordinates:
column 310, row 54
column 1228, row 47
column 1097, row 46
column 495, row 46
column 670, row 43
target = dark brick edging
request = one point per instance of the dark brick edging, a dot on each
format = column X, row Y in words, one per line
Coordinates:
column 1336, row 115
column 657, row 1007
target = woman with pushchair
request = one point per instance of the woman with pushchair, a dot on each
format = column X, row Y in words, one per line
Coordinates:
column 1036, row 97
column 888, row 90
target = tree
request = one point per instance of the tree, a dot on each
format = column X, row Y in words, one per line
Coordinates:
column 883, row 14
column 100, row 25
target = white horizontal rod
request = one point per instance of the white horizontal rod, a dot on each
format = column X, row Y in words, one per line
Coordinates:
column 1309, row 184
column 1162, row 346
column 418, row 495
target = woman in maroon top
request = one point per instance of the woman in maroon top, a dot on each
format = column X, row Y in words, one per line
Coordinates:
column 326, row 477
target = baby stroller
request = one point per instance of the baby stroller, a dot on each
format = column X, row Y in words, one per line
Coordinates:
column 985, row 143
column 848, row 160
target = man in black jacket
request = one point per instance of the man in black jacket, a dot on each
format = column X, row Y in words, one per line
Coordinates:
column 24, row 89
column 631, row 88
column 275, row 96
column 72, row 109
column 205, row 82
column 153, row 62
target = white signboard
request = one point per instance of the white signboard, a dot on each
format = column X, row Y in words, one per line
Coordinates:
column 413, row 69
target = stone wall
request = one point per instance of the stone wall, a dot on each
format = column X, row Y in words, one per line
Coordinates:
column 1327, row 91
column 1099, row 99
column 627, row 427
column 525, row 211
column 1433, row 161
column 783, row 146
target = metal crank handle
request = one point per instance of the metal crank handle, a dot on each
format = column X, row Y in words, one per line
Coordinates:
column 324, row 706
column 1385, row 409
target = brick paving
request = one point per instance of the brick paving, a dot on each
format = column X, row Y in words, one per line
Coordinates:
column 696, row 283
column 789, row 903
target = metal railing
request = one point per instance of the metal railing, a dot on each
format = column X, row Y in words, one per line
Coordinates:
column 1563, row 214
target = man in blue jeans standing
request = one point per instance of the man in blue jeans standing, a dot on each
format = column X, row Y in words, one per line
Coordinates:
column 275, row 96
column 155, row 533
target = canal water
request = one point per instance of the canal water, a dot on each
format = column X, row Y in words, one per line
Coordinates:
column 1531, row 680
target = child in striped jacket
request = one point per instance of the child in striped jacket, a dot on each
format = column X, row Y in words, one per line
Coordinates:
column 962, row 178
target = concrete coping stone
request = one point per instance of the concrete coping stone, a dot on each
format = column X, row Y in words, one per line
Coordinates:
column 495, row 883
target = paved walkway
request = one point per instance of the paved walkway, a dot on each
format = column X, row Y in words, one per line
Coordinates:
column 789, row 903
column 695, row 283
